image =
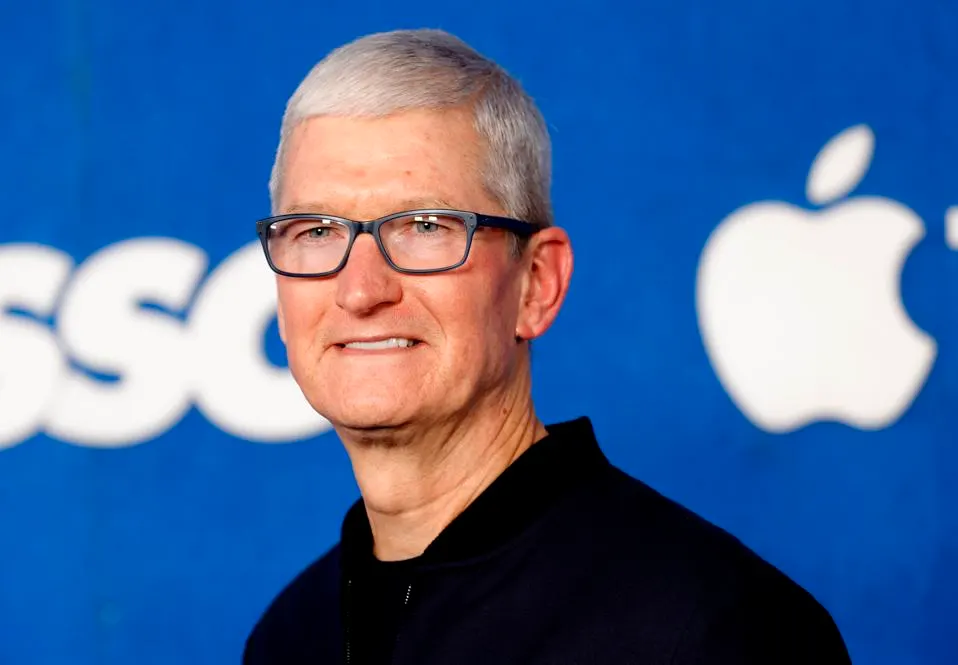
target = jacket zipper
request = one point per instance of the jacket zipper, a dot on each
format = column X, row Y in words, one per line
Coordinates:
column 349, row 604
column 347, row 621
column 405, row 604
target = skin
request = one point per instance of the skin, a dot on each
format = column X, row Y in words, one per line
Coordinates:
column 427, row 428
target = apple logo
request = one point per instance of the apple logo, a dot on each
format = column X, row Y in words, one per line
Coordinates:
column 800, row 311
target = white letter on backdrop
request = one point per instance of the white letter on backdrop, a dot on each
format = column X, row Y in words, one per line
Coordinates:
column 237, row 388
column 31, row 364
column 104, row 327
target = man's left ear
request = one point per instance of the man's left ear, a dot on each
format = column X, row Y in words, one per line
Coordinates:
column 548, row 270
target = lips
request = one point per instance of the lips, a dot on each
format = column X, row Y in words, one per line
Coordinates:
column 380, row 344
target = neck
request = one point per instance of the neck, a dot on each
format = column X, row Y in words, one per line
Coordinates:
column 414, row 490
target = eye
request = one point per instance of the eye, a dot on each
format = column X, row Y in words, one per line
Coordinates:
column 426, row 226
column 433, row 224
column 312, row 230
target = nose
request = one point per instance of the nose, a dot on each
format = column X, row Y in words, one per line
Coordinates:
column 366, row 282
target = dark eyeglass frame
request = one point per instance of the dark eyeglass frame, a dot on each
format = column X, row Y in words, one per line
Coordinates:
column 472, row 220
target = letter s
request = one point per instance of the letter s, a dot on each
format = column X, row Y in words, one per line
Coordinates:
column 104, row 326
column 236, row 387
column 31, row 364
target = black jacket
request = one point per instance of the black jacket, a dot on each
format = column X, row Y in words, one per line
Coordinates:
column 563, row 560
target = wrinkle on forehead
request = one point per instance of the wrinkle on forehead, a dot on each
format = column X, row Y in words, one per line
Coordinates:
column 314, row 207
column 365, row 168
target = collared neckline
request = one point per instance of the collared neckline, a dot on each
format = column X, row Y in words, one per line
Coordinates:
column 563, row 459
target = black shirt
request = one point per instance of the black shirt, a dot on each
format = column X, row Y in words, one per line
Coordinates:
column 375, row 598
column 563, row 560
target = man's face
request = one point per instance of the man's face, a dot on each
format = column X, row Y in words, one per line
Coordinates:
column 463, row 321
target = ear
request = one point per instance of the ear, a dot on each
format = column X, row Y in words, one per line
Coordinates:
column 548, row 270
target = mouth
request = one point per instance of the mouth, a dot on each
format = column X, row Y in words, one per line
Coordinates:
column 380, row 344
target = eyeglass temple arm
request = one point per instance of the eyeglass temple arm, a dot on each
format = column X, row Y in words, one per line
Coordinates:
column 507, row 223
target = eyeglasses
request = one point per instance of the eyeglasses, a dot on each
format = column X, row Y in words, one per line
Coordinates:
column 414, row 241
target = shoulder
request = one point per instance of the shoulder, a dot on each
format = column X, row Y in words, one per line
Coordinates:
column 642, row 523
column 302, row 619
column 715, row 592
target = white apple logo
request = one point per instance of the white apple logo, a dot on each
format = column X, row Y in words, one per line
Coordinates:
column 800, row 311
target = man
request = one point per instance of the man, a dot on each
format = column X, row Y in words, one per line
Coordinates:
column 482, row 536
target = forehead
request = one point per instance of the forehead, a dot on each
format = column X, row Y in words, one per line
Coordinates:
column 376, row 165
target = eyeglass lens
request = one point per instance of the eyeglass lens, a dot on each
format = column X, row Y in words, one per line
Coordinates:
column 412, row 242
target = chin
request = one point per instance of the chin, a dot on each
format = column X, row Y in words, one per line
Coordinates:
column 365, row 412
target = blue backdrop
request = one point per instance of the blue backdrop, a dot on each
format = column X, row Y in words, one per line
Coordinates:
column 160, row 479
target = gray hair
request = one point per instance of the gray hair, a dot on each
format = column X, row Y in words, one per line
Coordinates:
column 390, row 72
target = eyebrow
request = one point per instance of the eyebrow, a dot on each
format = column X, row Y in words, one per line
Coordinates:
column 315, row 207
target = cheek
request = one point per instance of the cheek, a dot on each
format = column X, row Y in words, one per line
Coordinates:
column 478, row 318
column 303, row 306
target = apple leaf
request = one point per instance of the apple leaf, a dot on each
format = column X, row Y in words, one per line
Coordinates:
column 840, row 165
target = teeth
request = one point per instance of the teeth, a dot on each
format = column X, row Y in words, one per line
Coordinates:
column 391, row 343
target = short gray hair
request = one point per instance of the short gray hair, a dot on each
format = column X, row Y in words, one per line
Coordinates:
column 390, row 72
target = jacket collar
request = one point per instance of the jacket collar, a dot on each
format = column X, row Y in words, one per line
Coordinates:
column 553, row 466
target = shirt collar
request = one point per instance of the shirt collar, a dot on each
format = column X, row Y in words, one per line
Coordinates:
column 567, row 456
